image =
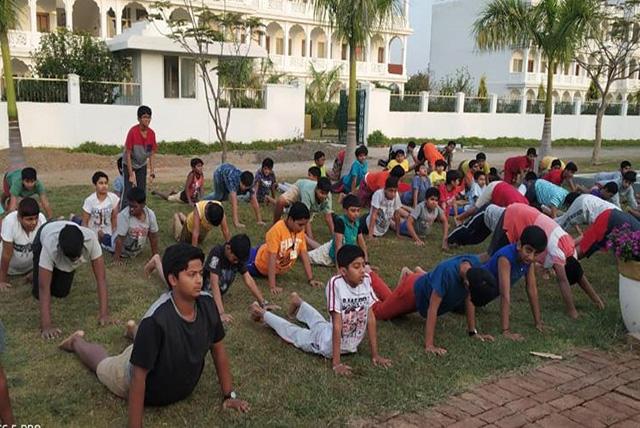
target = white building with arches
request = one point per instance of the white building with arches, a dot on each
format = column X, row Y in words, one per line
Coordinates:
column 293, row 37
column 512, row 73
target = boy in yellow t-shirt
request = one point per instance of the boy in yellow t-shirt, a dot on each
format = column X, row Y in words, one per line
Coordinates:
column 194, row 227
column 399, row 159
column 439, row 175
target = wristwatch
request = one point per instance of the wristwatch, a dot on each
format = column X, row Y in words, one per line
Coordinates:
column 230, row 396
column 472, row 332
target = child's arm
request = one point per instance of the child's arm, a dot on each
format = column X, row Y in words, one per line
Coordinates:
column 187, row 185
column 373, row 342
column 338, row 239
column 85, row 218
column 217, row 297
column 445, row 230
column 414, row 198
column 152, row 170
column 354, row 178
column 13, row 204
column 6, row 415
column 195, row 233
column 412, row 231
column 224, row 227
column 336, row 341
column 153, row 240
column 132, row 176
column 233, row 198
column 532, row 293
column 471, row 322
column 504, row 278
column 114, row 218
column 7, row 253
column 223, row 370
column 136, row 396
column 250, row 283
column 373, row 216
column 328, row 218
column 100, row 275
column 45, row 205
column 363, row 246
column 430, row 325
column 256, row 209
column 47, row 330
column 397, row 218
column 591, row 292
column 554, row 212
column 565, row 290
column 271, row 274
column 306, row 264
column 117, row 252
column 308, row 230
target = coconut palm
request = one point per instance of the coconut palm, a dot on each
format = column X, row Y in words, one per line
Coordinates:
column 354, row 22
column 8, row 17
column 554, row 27
column 322, row 89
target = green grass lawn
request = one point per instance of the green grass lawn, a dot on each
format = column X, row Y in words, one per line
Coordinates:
column 284, row 386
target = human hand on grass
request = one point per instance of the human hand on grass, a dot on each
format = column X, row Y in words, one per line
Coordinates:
column 276, row 290
column 4, row 286
column 238, row 405
column 104, row 320
column 379, row 361
column 239, row 225
column 419, row 242
column 226, row 318
column 314, row 283
column 50, row 333
column 119, row 261
column 431, row 349
column 342, row 370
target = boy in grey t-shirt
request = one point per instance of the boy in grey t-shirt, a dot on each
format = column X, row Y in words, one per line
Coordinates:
column 422, row 218
column 135, row 224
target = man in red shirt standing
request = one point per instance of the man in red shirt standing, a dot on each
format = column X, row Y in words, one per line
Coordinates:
column 516, row 167
column 558, row 176
column 139, row 148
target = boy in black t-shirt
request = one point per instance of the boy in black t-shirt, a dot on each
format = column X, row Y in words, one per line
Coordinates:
column 166, row 360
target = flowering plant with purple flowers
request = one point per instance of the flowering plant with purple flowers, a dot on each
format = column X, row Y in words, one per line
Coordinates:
column 624, row 243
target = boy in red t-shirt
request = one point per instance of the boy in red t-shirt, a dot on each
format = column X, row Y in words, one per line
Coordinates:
column 192, row 187
column 449, row 191
column 516, row 167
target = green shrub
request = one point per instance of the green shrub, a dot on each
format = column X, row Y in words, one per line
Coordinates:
column 377, row 139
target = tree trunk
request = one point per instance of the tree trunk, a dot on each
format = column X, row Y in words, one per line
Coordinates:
column 597, row 144
column 545, row 142
column 16, row 154
column 352, row 112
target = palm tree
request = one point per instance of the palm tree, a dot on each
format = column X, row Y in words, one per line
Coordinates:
column 354, row 21
column 323, row 88
column 555, row 27
column 8, row 18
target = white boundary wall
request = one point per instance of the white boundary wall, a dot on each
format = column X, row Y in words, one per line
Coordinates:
column 487, row 125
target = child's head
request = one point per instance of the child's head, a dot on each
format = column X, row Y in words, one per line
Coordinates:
column 319, row 158
column 625, row 166
column 182, row 267
column 483, row 287
column 101, row 181
column 196, row 165
column 411, row 145
column 421, row 170
column 351, row 206
column 119, row 164
column 391, row 187
column 482, row 159
column 246, row 181
column 351, row 264
column 298, row 217
column 399, row 156
column 144, row 115
column 569, row 170
column 531, row 153
column 214, row 213
column 473, row 165
column 451, row 146
column 440, row 165
column 570, row 198
column 532, row 242
column 530, row 177
column 480, row 177
column 628, row 178
column 609, row 190
column 137, row 199
column 574, row 270
column 71, row 241
column 453, row 178
column 556, row 164
column 267, row 166
column 323, row 189
column 361, row 154
column 397, row 171
column 314, row 173
column 28, row 212
column 237, row 249
column 29, row 178
column 431, row 198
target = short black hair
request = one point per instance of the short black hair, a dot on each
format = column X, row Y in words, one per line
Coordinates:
column 571, row 166
column 493, row 170
column 481, row 156
column 317, row 155
column 71, row 241
column 97, row 176
column 630, row 176
column 136, row 194
column 625, row 164
column 397, row 171
column 574, row 270
column 472, row 163
column 195, row 162
column 142, row 110
column 28, row 207
column 398, row 152
column 29, row 173
column 483, row 287
column 347, row 254
column 452, row 175
column 535, row 237
column 362, row 150
column 571, row 197
column 119, row 164
column 351, row 201
column 478, row 174
column 391, row 182
column 214, row 213
column 176, row 259
column 417, row 167
column 451, row 143
column 441, row 162
column 556, row 162
column 531, row 151
column 240, row 246
column 246, row 178
column 324, row 184
column 267, row 163
column 611, row 187
column 299, row 211
column 314, row 171
column 411, row 144
column 530, row 176
column 432, row 192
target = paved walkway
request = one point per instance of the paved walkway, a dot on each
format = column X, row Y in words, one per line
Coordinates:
column 592, row 389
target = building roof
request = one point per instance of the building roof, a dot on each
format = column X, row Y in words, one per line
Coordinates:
column 152, row 36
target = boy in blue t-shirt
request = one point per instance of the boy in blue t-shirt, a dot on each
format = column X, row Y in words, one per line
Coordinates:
column 513, row 262
column 359, row 168
column 419, row 186
column 454, row 282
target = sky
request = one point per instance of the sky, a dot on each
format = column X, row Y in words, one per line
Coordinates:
column 418, row 47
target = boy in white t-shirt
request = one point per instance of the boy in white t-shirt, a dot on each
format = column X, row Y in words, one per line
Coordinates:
column 136, row 223
column 349, row 300
column 18, row 231
column 100, row 209
column 385, row 208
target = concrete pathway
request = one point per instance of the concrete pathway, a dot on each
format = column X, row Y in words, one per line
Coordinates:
column 590, row 389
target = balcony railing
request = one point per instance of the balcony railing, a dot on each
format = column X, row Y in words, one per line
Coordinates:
column 302, row 64
column 39, row 90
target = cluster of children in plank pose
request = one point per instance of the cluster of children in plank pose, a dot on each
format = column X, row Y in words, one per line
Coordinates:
column 186, row 322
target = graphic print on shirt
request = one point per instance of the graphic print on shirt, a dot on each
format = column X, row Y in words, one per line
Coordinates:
column 226, row 275
column 134, row 236
column 288, row 251
column 354, row 320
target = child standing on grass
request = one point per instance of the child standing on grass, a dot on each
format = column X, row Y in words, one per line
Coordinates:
column 194, row 227
column 139, row 151
column 438, row 175
column 349, row 300
column 136, row 224
column 422, row 218
column 167, row 357
column 6, row 414
column 419, row 185
column 100, row 210
column 192, row 187
column 385, row 209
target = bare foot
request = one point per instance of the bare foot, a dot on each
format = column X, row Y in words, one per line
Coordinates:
column 418, row 269
column 67, row 344
column 256, row 312
column 130, row 330
column 28, row 278
column 294, row 304
column 405, row 271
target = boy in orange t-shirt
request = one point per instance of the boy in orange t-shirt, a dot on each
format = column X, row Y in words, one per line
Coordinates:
column 285, row 242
